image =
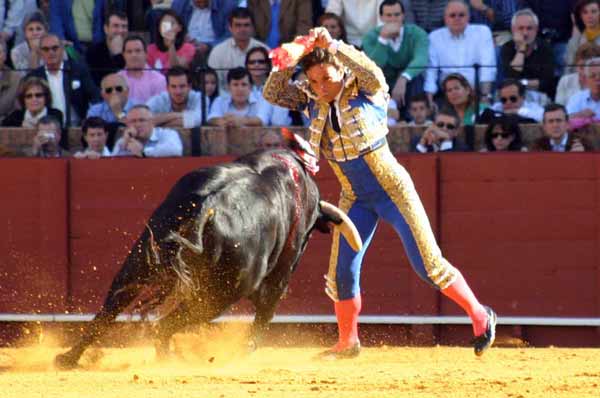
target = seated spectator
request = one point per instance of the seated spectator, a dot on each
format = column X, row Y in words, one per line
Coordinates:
column 107, row 56
column 142, row 83
column 115, row 100
column 458, row 44
column 170, row 49
column 206, row 21
column 460, row 97
column 419, row 110
column 586, row 103
column 231, row 53
column 571, row 83
column 207, row 81
column 73, row 21
column 393, row 113
column 280, row 21
column 94, row 135
column 9, row 83
column 240, row 107
column 13, row 12
column 528, row 58
column 258, row 65
column 34, row 101
column 70, row 83
column 442, row 135
column 360, row 16
column 429, row 14
column 27, row 55
column 556, row 135
column 142, row 139
column 513, row 101
column 503, row 134
column 335, row 25
column 180, row 106
column 587, row 29
column 46, row 143
column 399, row 49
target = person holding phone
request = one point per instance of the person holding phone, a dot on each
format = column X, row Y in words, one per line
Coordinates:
column 170, row 49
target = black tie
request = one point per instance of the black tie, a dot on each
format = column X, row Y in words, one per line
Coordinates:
column 334, row 119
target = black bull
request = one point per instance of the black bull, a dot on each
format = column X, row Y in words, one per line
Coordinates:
column 222, row 233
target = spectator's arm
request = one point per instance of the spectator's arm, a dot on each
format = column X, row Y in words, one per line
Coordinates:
column 169, row 145
column 432, row 71
column 369, row 75
column 168, row 119
column 14, row 18
column 375, row 47
column 488, row 58
column 419, row 61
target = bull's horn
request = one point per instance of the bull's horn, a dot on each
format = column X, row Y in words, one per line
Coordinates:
column 347, row 227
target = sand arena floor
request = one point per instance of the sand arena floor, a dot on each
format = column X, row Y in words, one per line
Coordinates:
column 221, row 369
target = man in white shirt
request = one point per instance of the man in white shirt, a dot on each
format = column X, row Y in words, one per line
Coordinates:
column 513, row 101
column 179, row 106
column 457, row 47
column 231, row 53
column 586, row 103
column 141, row 139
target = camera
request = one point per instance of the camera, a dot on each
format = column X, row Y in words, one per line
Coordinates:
column 49, row 136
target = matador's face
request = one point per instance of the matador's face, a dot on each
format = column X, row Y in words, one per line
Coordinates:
column 326, row 81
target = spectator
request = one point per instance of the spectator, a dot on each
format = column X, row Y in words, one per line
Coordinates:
column 586, row 103
column 429, row 14
column 70, row 83
column 459, row 45
column 46, row 142
column 94, row 135
column 360, row 16
column 587, row 22
column 12, row 14
column 180, row 106
column 503, row 134
column 393, row 113
column 115, row 100
column 527, row 58
column 419, row 110
column 107, row 56
column 34, row 101
column 240, row 107
column 441, row 136
column 231, row 53
column 555, row 25
column 142, row 139
column 170, row 49
column 27, row 55
column 399, row 49
column 207, row 81
column 557, row 138
column 280, row 21
column 335, row 25
column 73, row 21
column 496, row 14
column 9, row 83
column 460, row 97
column 570, row 84
column 142, row 83
column 258, row 65
column 512, row 101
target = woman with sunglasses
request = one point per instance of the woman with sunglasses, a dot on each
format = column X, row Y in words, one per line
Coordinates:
column 460, row 96
column 503, row 134
column 34, row 99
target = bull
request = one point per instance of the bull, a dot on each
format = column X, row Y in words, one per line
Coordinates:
column 223, row 233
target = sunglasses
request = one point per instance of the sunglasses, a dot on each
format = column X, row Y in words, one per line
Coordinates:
column 503, row 135
column 257, row 61
column 109, row 90
column 47, row 49
column 512, row 98
column 34, row 95
column 457, row 15
column 448, row 126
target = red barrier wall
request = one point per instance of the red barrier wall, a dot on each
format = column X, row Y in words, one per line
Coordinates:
column 523, row 228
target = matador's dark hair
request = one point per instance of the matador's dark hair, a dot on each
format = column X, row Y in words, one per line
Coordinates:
column 319, row 56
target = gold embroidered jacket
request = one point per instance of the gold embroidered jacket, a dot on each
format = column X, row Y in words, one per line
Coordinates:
column 362, row 106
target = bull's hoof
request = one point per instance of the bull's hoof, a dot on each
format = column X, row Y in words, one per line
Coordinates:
column 65, row 361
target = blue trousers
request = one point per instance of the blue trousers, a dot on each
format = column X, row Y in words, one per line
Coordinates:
column 375, row 186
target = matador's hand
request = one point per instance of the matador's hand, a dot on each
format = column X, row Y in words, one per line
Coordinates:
column 322, row 37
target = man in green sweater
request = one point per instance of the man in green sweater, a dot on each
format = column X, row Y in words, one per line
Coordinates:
column 400, row 50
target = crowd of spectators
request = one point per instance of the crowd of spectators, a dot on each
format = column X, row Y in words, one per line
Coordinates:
column 129, row 73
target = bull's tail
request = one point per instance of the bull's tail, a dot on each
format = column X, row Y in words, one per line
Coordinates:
column 184, row 272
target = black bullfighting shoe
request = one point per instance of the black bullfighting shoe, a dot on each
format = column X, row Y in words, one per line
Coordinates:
column 485, row 341
column 334, row 354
